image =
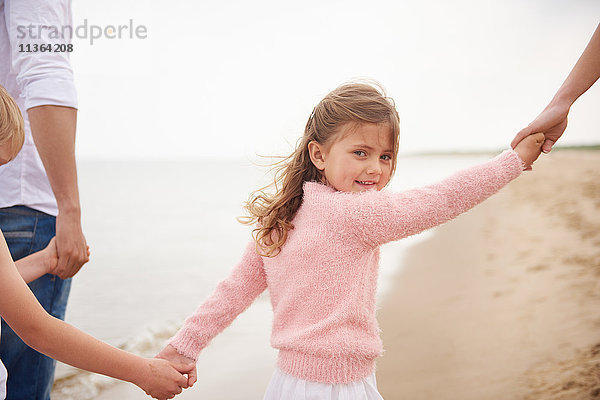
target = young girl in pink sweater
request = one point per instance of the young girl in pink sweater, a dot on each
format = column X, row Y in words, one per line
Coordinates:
column 316, row 245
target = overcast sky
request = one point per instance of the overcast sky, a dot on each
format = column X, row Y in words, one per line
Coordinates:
column 237, row 78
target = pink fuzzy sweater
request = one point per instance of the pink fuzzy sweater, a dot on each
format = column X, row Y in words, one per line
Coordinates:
column 322, row 284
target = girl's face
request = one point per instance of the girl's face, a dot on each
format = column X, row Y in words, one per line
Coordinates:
column 358, row 158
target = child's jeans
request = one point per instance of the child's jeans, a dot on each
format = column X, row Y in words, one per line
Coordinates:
column 31, row 374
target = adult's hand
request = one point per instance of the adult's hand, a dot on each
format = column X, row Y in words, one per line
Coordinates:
column 71, row 245
column 551, row 122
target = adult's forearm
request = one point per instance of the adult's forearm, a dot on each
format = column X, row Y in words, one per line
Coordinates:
column 584, row 74
column 53, row 130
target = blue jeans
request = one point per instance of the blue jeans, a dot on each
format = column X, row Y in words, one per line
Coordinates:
column 31, row 374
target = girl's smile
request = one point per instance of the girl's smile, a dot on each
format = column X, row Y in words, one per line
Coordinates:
column 359, row 158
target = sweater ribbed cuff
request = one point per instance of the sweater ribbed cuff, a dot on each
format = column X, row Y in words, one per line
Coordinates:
column 512, row 158
column 186, row 343
column 338, row 369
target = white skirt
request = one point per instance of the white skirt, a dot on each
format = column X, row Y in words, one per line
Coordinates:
column 3, row 376
column 286, row 387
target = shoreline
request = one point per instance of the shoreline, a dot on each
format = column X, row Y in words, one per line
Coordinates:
column 503, row 301
column 500, row 303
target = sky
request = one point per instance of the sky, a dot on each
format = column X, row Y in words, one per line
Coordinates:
column 230, row 79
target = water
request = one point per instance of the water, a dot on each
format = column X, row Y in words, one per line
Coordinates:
column 163, row 234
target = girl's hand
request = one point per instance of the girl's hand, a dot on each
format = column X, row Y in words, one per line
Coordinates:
column 529, row 149
column 170, row 354
column 552, row 122
column 50, row 257
column 162, row 379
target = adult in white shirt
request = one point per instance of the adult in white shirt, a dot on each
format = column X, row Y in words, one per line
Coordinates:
column 39, row 197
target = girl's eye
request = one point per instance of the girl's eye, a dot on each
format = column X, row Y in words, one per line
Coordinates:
column 386, row 157
column 360, row 153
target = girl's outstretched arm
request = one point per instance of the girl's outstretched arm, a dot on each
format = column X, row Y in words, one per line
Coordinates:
column 231, row 297
column 381, row 217
column 61, row 341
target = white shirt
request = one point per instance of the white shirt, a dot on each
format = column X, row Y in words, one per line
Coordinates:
column 33, row 79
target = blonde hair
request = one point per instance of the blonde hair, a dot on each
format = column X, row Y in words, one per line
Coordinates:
column 12, row 126
column 349, row 103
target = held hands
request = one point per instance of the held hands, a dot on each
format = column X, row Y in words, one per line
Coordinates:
column 162, row 379
column 530, row 148
column 71, row 246
column 170, row 354
column 49, row 257
column 552, row 122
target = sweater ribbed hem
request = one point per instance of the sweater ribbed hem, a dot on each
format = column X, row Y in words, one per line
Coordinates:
column 186, row 343
column 338, row 369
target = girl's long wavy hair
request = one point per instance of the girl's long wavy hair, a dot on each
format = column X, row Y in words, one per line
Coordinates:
column 273, row 207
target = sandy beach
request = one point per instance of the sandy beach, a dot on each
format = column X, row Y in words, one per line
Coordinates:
column 501, row 303
column 504, row 302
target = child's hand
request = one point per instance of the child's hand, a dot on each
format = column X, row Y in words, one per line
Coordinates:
column 530, row 148
column 170, row 354
column 50, row 257
column 162, row 379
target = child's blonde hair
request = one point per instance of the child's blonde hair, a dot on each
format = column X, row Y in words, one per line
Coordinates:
column 12, row 126
column 349, row 103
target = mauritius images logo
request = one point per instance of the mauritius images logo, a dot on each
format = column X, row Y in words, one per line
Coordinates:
column 87, row 31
